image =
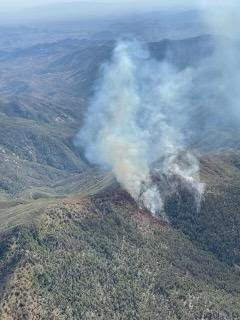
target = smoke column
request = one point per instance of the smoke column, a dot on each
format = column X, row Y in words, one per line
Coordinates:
column 222, row 20
column 135, row 125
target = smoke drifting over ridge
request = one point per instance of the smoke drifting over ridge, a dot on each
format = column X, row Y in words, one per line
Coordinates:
column 223, row 21
column 135, row 125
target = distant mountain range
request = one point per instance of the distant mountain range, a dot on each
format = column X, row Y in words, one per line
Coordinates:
column 45, row 92
column 73, row 244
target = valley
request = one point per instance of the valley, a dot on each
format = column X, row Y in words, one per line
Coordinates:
column 73, row 243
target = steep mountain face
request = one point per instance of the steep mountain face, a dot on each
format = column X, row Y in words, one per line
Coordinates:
column 97, row 256
column 73, row 244
column 214, row 227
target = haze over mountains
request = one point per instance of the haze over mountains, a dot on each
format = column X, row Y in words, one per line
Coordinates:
column 49, row 83
column 74, row 244
column 45, row 92
column 63, row 10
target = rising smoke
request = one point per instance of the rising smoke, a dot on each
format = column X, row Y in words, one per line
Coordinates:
column 222, row 20
column 146, row 114
column 135, row 126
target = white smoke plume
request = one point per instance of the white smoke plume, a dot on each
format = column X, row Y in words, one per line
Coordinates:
column 222, row 20
column 135, row 125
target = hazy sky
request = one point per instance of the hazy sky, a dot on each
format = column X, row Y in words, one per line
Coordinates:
column 21, row 4
column 20, row 10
